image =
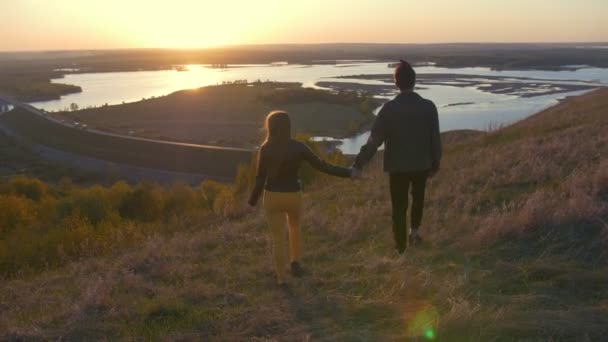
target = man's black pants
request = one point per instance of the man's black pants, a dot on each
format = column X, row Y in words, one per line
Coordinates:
column 400, row 188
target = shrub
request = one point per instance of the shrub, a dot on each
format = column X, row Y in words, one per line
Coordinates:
column 42, row 226
column 93, row 204
column 38, row 249
column 31, row 188
column 117, row 192
column 244, row 181
column 180, row 199
column 65, row 186
column 225, row 203
column 74, row 237
column 208, row 191
column 145, row 203
column 15, row 212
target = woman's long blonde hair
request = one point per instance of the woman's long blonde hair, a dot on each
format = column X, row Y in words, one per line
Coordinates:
column 278, row 134
column 278, row 127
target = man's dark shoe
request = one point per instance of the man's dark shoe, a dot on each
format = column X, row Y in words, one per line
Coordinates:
column 401, row 249
column 415, row 239
column 297, row 270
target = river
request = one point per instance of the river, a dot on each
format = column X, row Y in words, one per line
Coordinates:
column 460, row 107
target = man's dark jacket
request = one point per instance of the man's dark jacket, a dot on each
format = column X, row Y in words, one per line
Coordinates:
column 408, row 125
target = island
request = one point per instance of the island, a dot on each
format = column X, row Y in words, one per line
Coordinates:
column 231, row 114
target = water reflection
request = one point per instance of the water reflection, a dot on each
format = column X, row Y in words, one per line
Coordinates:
column 118, row 87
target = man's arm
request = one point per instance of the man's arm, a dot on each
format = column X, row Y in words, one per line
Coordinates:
column 376, row 139
column 435, row 140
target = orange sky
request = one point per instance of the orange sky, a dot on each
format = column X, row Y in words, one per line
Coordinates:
column 91, row 24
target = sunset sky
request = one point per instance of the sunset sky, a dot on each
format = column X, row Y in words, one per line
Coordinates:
column 92, row 24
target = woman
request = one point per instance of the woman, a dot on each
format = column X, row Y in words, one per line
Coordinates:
column 279, row 161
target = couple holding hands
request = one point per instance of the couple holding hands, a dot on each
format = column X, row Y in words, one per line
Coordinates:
column 407, row 125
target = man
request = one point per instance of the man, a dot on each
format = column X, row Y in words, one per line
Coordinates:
column 408, row 125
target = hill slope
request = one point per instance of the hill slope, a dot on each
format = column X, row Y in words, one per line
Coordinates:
column 517, row 224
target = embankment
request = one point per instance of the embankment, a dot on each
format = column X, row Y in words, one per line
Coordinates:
column 214, row 163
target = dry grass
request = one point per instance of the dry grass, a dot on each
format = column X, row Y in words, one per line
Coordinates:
column 517, row 221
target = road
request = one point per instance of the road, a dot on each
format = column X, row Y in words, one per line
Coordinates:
column 41, row 113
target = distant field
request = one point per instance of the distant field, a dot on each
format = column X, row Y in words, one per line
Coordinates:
column 498, row 56
column 232, row 114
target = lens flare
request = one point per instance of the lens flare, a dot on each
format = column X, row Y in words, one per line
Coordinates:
column 421, row 321
column 429, row 334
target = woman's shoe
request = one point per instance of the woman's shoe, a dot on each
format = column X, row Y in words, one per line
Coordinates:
column 297, row 270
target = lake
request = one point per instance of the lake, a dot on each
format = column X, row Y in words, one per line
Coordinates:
column 463, row 103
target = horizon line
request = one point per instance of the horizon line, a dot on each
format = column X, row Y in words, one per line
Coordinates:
column 215, row 47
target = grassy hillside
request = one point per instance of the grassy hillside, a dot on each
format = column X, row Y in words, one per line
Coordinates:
column 517, row 230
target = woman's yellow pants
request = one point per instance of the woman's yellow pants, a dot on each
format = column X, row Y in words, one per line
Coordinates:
column 281, row 208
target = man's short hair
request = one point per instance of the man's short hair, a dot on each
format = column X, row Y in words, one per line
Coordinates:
column 405, row 76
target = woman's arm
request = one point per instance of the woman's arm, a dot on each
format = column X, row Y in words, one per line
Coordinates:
column 260, row 178
column 324, row 166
